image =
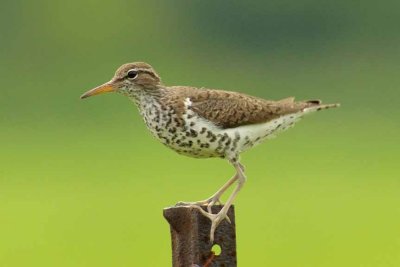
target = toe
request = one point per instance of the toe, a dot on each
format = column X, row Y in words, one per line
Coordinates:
column 228, row 219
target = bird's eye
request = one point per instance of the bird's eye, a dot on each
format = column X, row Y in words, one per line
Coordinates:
column 132, row 74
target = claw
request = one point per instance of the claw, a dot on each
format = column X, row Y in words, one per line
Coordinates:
column 228, row 219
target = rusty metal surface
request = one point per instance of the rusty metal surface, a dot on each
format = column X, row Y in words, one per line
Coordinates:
column 190, row 233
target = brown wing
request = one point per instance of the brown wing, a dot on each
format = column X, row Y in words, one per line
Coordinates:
column 231, row 109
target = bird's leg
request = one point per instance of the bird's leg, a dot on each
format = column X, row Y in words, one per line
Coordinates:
column 240, row 165
column 222, row 214
column 214, row 198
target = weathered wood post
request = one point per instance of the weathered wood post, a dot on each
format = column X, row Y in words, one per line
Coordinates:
column 190, row 233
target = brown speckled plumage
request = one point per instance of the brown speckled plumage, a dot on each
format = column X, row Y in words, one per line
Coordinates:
column 203, row 123
column 231, row 109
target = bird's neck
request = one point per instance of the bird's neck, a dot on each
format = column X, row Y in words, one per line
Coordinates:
column 145, row 98
column 150, row 108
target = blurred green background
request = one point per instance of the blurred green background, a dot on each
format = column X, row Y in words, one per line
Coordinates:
column 82, row 183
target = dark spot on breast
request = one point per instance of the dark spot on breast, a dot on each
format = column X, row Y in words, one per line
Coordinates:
column 182, row 144
column 205, row 145
column 193, row 133
column 168, row 122
column 224, row 138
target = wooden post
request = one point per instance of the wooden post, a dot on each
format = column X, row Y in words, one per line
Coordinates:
column 190, row 233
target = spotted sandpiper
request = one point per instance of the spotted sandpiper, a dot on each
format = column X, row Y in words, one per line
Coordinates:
column 205, row 123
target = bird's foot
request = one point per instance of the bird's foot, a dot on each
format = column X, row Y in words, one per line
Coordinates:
column 207, row 202
column 216, row 219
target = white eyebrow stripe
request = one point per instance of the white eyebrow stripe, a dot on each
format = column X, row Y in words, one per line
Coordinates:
column 148, row 71
column 141, row 69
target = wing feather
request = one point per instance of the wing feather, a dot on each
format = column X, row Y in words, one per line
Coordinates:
column 231, row 109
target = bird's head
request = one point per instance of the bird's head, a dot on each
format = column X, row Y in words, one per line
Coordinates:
column 129, row 79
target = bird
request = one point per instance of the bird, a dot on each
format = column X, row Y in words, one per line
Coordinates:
column 206, row 123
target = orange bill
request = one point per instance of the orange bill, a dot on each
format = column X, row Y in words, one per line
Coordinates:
column 105, row 88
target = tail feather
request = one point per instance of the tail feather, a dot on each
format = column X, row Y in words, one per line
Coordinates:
column 317, row 106
column 314, row 101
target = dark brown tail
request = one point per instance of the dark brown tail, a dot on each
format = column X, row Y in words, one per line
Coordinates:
column 315, row 105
